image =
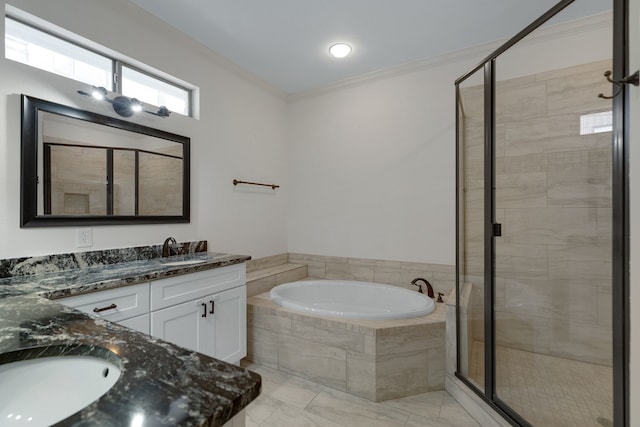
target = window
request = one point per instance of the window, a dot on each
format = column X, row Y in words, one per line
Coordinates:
column 32, row 46
column 149, row 89
column 41, row 50
column 596, row 123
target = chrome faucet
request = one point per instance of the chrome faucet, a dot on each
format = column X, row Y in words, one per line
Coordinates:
column 167, row 245
column 429, row 288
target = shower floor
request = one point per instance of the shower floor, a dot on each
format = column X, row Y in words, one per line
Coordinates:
column 549, row 391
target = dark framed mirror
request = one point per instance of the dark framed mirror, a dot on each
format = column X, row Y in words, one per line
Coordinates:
column 83, row 168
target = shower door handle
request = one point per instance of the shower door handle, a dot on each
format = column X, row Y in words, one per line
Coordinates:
column 497, row 230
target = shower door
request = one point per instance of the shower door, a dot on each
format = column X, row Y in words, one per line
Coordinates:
column 552, row 277
column 536, row 203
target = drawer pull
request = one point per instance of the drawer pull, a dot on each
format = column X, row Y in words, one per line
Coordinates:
column 110, row 307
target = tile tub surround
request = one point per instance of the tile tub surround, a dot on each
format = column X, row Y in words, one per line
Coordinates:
column 397, row 273
column 266, row 262
column 167, row 384
column 376, row 360
column 265, row 273
column 37, row 265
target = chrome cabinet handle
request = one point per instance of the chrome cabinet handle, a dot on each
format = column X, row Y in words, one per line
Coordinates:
column 204, row 310
column 213, row 307
column 110, row 307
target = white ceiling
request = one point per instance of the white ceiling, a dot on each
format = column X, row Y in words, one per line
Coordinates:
column 285, row 42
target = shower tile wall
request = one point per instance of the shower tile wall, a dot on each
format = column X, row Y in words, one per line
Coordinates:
column 441, row 276
column 160, row 184
column 553, row 286
column 84, row 191
column 77, row 181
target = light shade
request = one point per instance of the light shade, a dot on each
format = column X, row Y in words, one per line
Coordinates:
column 340, row 50
column 98, row 93
column 136, row 106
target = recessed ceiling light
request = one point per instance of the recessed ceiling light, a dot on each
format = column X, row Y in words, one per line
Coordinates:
column 340, row 50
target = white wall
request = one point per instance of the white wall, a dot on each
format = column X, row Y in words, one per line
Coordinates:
column 634, row 215
column 372, row 165
column 372, row 170
column 241, row 134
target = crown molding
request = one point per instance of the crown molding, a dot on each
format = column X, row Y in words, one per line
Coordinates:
column 565, row 29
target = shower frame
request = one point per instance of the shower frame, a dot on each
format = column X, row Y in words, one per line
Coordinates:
column 620, row 221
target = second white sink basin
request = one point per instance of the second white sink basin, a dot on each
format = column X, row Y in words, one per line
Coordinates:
column 44, row 391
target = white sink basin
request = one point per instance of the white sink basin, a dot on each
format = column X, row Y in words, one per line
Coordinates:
column 184, row 262
column 44, row 391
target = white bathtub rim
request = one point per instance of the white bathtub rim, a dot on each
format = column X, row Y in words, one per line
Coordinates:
column 425, row 305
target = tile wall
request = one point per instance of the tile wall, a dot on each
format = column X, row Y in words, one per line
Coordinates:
column 553, row 198
column 374, row 359
column 78, row 182
column 441, row 276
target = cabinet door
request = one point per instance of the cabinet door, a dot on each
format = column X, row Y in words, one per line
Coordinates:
column 227, row 326
column 138, row 323
column 182, row 324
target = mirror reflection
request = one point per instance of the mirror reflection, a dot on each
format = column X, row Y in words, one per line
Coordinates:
column 92, row 170
column 88, row 168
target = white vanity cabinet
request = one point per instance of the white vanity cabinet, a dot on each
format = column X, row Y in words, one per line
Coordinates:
column 204, row 311
column 128, row 306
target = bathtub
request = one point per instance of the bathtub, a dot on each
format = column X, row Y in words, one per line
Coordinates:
column 351, row 299
column 382, row 359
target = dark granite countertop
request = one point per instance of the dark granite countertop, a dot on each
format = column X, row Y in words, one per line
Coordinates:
column 66, row 283
column 166, row 384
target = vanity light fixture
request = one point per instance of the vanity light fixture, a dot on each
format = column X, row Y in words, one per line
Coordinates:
column 98, row 93
column 124, row 106
column 340, row 50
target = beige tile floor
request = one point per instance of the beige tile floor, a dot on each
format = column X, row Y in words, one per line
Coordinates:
column 290, row 401
column 550, row 391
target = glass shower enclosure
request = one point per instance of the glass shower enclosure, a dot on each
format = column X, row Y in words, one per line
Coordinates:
column 534, row 226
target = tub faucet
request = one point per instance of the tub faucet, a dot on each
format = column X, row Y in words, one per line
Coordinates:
column 415, row 281
column 167, row 245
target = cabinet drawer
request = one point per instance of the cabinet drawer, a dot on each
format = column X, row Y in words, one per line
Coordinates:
column 179, row 289
column 129, row 301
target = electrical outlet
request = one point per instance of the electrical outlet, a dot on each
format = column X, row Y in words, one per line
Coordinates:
column 84, row 237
